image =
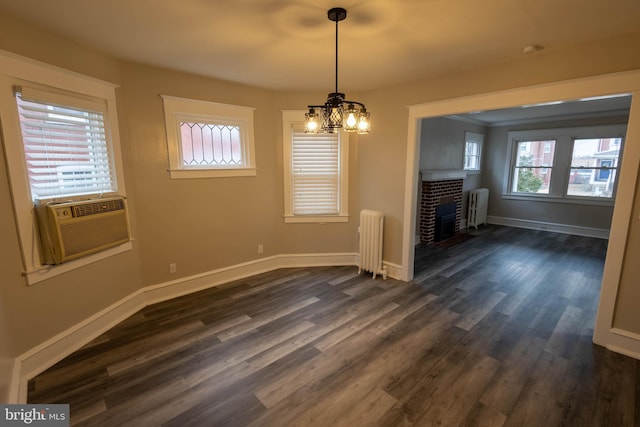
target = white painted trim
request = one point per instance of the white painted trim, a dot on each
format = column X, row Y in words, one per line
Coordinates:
column 394, row 271
column 622, row 217
column 48, row 271
column 443, row 175
column 624, row 342
column 30, row 69
column 14, row 383
column 48, row 353
column 599, row 233
column 607, row 84
column 178, row 110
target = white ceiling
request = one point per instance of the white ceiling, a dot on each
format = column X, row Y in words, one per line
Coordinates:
column 289, row 44
column 580, row 108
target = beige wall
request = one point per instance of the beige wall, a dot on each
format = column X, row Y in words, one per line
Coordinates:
column 211, row 223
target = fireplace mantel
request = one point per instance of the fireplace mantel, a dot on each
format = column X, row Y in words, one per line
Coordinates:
column 443, row 175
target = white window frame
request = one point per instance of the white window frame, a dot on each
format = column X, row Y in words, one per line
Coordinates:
column 17, row 70
column 474, row 138
column 289, row 119
column 561, row 167
column 178, row 110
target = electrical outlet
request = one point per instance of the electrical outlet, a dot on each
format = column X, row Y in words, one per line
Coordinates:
column 172, row 267
column 260, row 248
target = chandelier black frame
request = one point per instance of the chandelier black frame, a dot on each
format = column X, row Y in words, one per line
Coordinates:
column 337, row 112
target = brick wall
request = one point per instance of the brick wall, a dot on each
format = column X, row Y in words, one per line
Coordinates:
column 435, row 193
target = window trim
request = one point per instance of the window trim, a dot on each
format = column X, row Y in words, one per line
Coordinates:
column 178, row 109
column 289, row 118
column 564, row 138
column 18, row 70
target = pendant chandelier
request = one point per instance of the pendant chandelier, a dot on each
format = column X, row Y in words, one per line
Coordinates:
column 337, row 113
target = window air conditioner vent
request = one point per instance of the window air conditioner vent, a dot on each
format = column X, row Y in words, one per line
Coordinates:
column 98, row 207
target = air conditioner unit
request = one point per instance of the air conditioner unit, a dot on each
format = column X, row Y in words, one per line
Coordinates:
column 74, row 229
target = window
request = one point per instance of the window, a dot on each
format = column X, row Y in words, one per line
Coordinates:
column 533, row 166
column 66, row 145
column 207, row 139
column 472, row 151
column 61, row 140
column 571, row 165
column 315, row 173
column 594, row 167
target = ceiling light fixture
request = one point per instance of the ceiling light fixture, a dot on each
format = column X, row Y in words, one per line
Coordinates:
column 337, row 113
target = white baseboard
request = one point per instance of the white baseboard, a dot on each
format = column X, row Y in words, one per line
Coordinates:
column 599, row 233
column 393, row 270
column 50, row 352
column 624, row 342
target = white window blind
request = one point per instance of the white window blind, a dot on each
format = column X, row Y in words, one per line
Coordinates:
column 66, row 145
column 315, row 173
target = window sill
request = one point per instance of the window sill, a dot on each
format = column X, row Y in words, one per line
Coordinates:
column 211, row 173
column 318, row 219
column 557, row 199
column 49, row 271
column 473, row 171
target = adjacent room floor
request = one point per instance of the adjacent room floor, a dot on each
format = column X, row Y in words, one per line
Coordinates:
column 494, row 331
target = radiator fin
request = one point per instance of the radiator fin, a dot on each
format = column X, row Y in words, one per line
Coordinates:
column 371, row 238
column 478, row 203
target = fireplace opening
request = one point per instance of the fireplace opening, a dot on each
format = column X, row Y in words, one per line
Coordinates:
column 445, row 221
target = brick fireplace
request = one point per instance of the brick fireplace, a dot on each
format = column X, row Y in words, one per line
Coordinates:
column 441, row 199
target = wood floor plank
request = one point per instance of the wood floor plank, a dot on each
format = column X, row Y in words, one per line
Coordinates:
column 494, row 331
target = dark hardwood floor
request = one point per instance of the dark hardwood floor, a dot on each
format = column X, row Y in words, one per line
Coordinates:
column 494, row 331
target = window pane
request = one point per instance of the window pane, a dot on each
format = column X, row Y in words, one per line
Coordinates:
column 66, row 150
column 536, row 153
column 534, row 160
column 594, row 164
column 472, row 156
column 531, row 180
column 472, row 150
column 210, row 145
column 315, row 173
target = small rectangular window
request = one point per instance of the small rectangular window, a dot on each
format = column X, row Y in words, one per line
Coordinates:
column 208, row 139
column 472, row 151
column 594, row 167
column 66, row 146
